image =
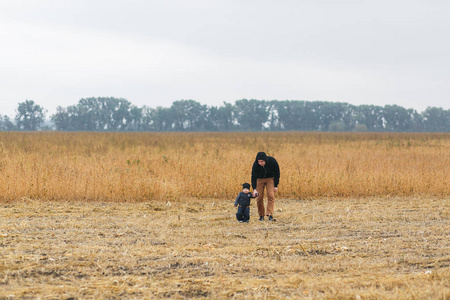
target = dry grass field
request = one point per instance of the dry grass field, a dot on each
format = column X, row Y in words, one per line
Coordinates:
column 130, row 167
column 376, row 248
column 150, row 215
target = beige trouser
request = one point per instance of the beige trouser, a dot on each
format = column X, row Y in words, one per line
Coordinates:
column 269, row 185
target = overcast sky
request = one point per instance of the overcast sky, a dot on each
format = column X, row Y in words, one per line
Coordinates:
column 152, row 53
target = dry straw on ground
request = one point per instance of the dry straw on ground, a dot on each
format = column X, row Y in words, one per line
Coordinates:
column 376, row 248
column 141, row 166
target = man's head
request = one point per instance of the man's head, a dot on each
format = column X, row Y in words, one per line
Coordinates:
column 261, row 158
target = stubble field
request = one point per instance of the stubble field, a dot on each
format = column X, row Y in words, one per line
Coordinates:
column 359, row 216
column 380, row 248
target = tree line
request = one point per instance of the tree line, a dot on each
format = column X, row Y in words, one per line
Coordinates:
column 118, row 114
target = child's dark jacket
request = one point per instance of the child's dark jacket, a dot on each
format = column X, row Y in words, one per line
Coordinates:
column 243, row 199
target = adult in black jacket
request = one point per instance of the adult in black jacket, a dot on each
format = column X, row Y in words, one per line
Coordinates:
column 265, row 174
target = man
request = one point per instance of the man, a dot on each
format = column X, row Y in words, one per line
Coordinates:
column 265, row 174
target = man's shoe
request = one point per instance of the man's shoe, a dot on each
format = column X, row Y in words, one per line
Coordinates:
column 261, row 218
column 271, row 218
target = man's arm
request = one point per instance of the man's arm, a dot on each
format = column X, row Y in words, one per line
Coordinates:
column 254, row 176
column 276, row 178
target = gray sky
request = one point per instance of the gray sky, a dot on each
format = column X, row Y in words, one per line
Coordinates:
column 155, row 52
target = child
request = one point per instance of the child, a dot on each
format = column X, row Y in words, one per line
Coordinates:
column 242, row 202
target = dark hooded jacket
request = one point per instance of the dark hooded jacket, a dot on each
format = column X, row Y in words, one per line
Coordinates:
column 243, row 199
column 270, row 170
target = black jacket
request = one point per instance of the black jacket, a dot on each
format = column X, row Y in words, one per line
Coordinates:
column 270, row 170
column 243, row 199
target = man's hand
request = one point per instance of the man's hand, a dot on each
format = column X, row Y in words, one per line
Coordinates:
column 255, row 193
column 275, row 189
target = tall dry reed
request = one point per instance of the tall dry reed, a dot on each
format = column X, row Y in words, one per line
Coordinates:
column 142, row 166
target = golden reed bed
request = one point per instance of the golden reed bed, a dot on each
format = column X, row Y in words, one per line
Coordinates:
column 141, row 166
